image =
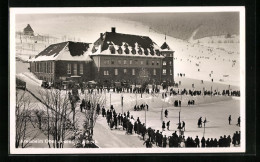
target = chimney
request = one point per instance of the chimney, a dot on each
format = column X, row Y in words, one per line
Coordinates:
column 101, row 35
column 113, row 29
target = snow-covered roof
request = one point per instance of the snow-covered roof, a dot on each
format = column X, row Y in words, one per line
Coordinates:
column 165, row 47
column 66, row 51
column 112, row 43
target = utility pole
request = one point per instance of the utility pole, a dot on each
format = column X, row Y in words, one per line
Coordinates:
column 110, row 98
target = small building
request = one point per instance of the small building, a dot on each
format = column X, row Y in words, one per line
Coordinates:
column 66, row 61
column 28, row 30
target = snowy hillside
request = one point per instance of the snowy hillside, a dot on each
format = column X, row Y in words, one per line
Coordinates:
column 196, row 60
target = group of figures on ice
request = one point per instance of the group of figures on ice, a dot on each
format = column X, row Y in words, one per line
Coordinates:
column 153, row 138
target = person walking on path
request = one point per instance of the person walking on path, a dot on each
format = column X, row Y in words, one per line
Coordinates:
column 229, row 119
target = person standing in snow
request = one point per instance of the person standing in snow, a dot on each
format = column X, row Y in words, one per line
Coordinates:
column 166, row 113
column 183, row 125
column 163, row 126
column 168, row 125
column 229, row 119
column 238, row 121
column 197, row 141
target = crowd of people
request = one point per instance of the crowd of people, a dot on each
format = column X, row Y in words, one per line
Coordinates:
column 141, row 107
column 155, row 138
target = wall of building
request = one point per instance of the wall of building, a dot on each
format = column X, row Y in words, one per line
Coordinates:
column 59, row 71
column 120, row 68
column 169, row 76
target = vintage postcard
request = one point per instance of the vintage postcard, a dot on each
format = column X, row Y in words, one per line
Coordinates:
column 127, row 80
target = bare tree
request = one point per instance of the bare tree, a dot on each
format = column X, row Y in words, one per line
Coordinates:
column 59, row 124
column 84, row 137
column 25, row 130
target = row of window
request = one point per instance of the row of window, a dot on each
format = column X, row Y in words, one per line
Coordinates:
column 164, row 63
column 75, row 68
column 130, row 62
column 106, row 72
column 44, row 67
column 133, row 51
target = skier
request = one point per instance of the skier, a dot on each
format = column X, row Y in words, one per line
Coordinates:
column 229, row 119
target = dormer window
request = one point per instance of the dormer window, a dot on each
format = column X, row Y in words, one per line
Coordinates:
column 112, row 49
column 120, row 51
column 151, row 52
column 140, row 52
column 146, row 52
column 127, row 51
column 157, row 52
column 133, row 51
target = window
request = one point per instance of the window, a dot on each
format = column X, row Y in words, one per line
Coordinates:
column 119, row 62
column 116, row 71
column 133, row 71
column 136, row 62
column 107, row 62
column 170, row 63
column 46, row 67
column 106, row 72
column 133, row 51
column 154, row 71
column 152, row 62
column 158, row 63
column 125, row 71
column 75, row 69
column 124, row 62
column 130, row 62
column 69, row 68
column 170, row 71
column 142, row 62
column 52, row 67
column 112, row 62
column 164, row 71
column 164, row 63
column 147, row 62
column 140, row 52
column 81, row 69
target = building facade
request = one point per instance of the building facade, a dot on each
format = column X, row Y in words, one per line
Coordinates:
column 113, row 57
